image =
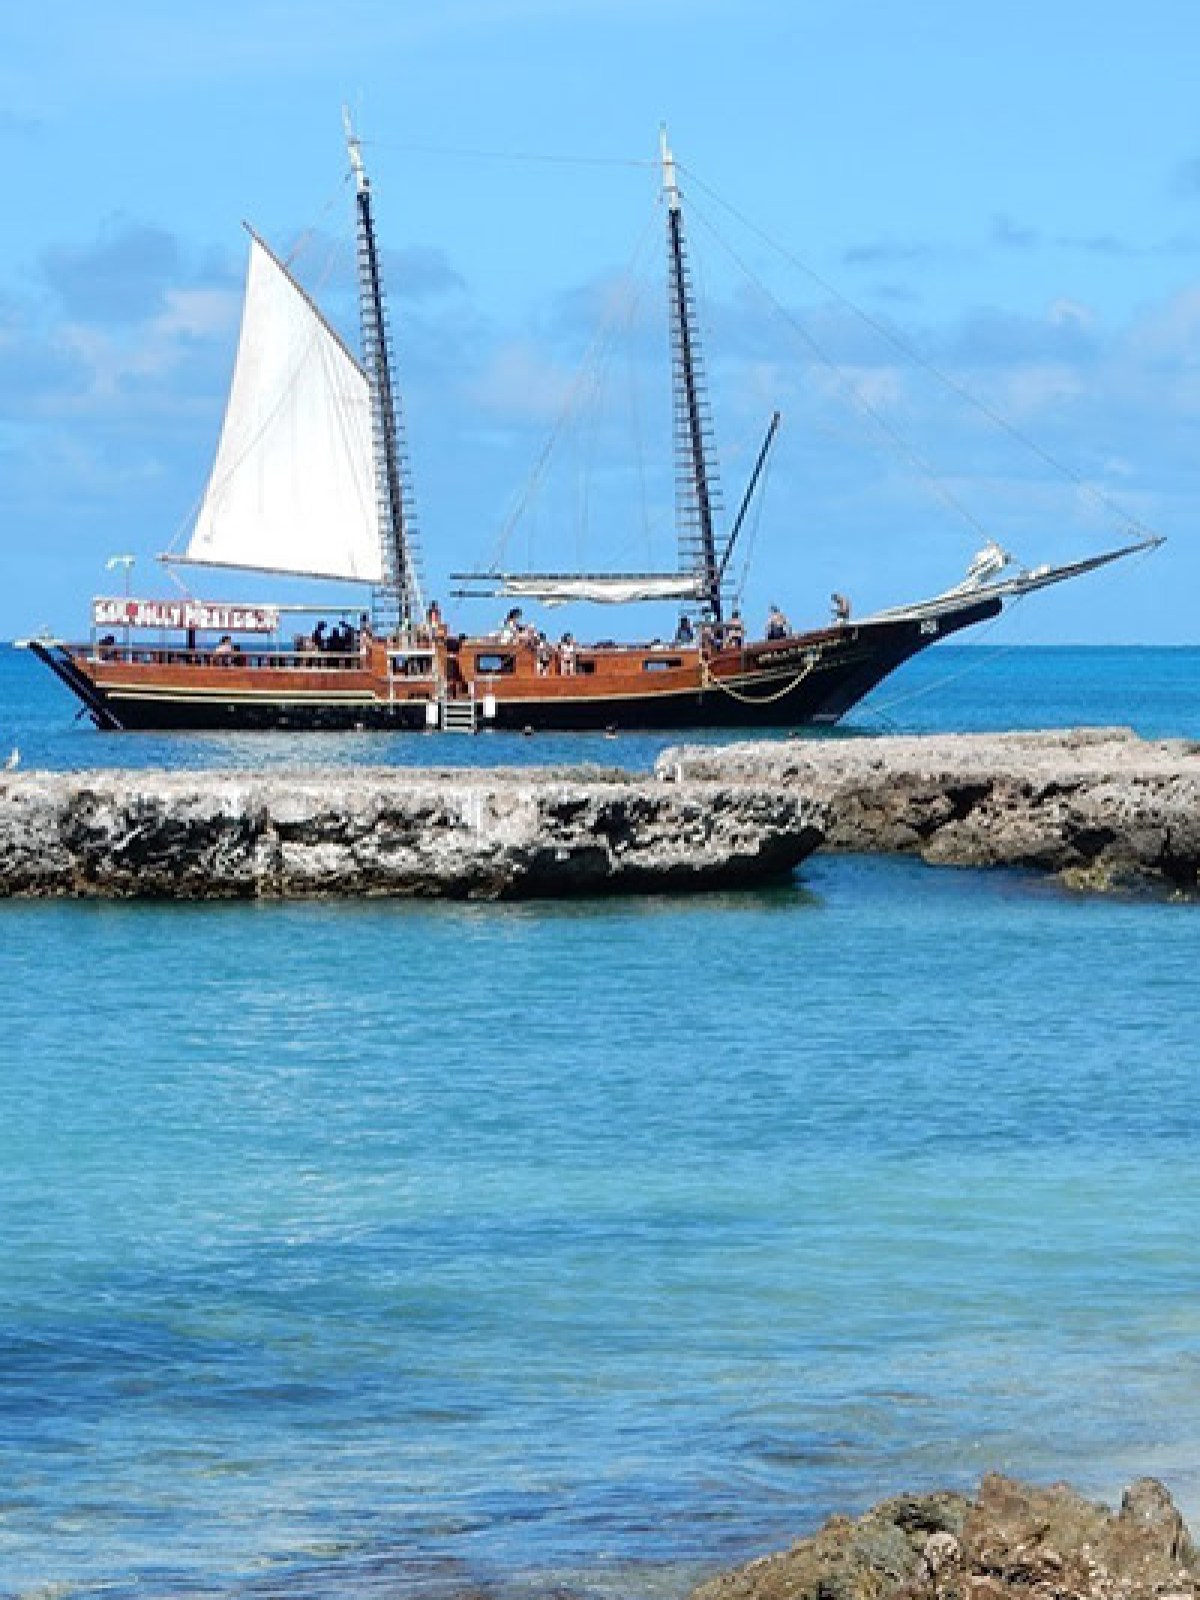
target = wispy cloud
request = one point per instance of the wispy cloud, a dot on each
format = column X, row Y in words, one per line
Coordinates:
column 122, row 329
column 326, row 265
column 889, row 252
column 1010, row 235
column 520, row 382
column 16, row 124
column 134, row 364
column 122, row 276
column 990, row 338
column 1106, row 244
column 422, row 272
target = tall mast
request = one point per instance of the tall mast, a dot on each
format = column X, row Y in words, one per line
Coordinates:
column 401, row 599
column 697, row 490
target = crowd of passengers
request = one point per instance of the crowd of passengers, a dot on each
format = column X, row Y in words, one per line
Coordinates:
column 340, row 640
column 345, row 640
column 558, row 659
column 710, row 636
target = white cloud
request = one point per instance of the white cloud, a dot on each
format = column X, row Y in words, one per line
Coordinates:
column 1170, row 332
column 199, row 313
column 1027, row 392
column 115, row 362
column 1070, row 313
column 521, row 383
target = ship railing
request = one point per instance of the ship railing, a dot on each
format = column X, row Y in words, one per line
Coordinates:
column 258, row 657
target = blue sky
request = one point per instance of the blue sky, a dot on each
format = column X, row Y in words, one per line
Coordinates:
column 1011, row 190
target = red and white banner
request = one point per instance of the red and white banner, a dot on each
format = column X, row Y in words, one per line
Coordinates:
column 214, row 616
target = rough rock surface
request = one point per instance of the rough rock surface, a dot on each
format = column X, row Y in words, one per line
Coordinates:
column 1101, row 807
column 222, row 835
column 1012, row 1541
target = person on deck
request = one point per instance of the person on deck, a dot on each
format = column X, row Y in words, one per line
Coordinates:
column 841, row 608
column 778, row 626
column 684, row 633
column 735, row 632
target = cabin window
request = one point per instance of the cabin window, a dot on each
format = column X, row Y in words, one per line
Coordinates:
column 585, row 666
column 411, row 666
column 495, row 665
column 661, row 663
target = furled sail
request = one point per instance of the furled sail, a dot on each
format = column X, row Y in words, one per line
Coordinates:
column 557, row 589
column 293, row 485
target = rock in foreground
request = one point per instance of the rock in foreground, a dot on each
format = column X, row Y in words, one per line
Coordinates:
column 1010, row 1542
column 222, row 835
column 1101, row 807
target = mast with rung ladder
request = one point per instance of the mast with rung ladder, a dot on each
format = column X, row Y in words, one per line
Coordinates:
column 697, row 491
column 397, row 603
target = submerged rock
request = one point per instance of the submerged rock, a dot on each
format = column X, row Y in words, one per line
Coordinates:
column 222, row 835
column 1100, row 807
column 1011, row 1541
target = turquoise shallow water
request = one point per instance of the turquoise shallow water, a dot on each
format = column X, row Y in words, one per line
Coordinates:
column 404, row 1250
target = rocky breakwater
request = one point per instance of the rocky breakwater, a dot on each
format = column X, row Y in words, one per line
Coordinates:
column 1101, row 807
column 1010, row 1541
column 228, row 835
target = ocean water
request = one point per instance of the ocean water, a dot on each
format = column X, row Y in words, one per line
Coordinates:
column 434, row 1250
column 954, row 687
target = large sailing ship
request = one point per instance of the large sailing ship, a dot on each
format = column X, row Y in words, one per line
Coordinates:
column 311, row 480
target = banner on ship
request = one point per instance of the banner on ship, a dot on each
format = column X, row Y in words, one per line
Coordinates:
column 217, row 616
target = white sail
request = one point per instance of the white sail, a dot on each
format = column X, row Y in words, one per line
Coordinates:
column 603, row 588
column 293, row 485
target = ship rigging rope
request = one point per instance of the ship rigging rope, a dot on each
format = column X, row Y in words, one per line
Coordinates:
column 912, row 354
column 915, row 459
column 760, row 500
column 621, row 316
column 312, row 234
column 708, row 681
column 557, row 159
column 997, row 653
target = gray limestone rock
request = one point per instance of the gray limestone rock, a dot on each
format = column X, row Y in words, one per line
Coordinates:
column 388, row 832
column 1100, row 807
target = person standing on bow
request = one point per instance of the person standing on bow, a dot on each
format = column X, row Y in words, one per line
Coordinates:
column 778, row 626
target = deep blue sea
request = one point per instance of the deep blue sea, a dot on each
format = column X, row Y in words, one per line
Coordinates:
column 422, row 1250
